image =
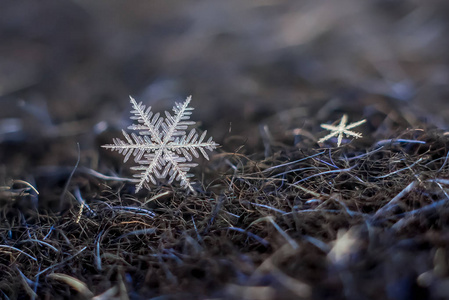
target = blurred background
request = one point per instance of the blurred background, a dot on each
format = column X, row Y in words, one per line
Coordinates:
column 254, row 69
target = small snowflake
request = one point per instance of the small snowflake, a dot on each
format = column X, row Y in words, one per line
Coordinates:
column 161, row 148
column 341, row 129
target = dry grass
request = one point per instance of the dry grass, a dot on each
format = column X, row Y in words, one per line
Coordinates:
column 277, row 215
column 305, row 222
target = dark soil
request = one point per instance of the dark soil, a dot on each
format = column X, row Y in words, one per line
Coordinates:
column 275, row 214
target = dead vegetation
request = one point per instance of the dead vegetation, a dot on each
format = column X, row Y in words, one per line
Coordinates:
column 279, row 211
column 313, row 223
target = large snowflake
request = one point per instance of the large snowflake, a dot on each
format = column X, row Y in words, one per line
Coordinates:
column 161, row 146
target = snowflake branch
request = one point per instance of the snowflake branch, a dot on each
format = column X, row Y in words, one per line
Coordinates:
column 142, row 116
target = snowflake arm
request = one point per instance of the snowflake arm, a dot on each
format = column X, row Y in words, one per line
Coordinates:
column 192, row 144
column 134, row 145
column 148, row 124
column 175, row 126
column 150, row 169
column 177, row 169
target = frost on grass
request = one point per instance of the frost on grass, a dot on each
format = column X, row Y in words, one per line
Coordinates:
column 160, row 146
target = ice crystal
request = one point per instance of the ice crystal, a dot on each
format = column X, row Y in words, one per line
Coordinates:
column 161, row 146
column 341, row 129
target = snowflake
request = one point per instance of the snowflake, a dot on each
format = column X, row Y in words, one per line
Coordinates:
column 341, row 129
column 162, row 148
